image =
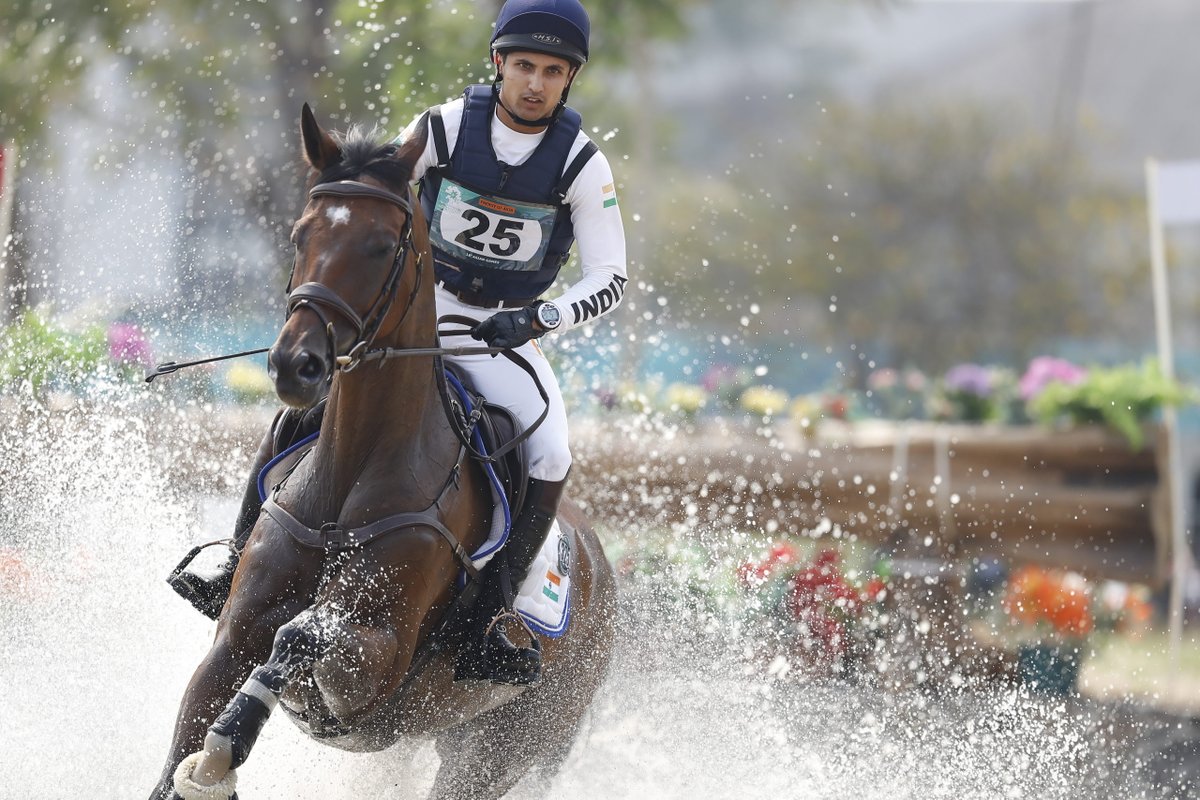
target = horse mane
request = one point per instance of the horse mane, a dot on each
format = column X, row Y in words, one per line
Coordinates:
column 364, row 154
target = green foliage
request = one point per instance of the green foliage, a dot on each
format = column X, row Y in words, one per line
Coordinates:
column 942, row 235
column 362, row 60
column 1122, row 397
column 35, row 353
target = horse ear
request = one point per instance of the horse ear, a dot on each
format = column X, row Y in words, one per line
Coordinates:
column 320, row 150
column 412, row 147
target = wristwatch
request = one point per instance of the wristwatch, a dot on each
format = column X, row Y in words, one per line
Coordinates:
column 548, row 315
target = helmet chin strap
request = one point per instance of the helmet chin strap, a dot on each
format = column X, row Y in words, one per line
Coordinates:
column 528, row 123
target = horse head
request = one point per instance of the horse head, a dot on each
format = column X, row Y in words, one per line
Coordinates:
column 360, row 251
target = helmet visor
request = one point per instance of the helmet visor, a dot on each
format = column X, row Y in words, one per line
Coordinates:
column 546, row 43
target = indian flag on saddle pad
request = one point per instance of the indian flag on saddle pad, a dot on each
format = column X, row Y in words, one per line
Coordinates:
column 545, row 596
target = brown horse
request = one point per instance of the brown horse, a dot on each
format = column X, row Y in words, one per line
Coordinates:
column 339, row 632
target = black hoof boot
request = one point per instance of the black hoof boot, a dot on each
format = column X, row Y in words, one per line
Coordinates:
column 208, row 595
column 495, row 658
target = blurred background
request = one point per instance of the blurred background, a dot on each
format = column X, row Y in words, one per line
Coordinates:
column 817, row 188
column 882, row 408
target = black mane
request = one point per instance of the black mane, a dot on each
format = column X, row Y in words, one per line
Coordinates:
column 363, row 154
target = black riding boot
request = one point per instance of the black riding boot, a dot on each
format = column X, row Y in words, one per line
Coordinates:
column 208, row 595
column 488, row 653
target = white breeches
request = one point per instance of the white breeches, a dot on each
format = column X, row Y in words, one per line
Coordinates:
column 504, row 383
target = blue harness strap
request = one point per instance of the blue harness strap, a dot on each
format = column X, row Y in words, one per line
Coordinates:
column 464, row 397
column 264, row 473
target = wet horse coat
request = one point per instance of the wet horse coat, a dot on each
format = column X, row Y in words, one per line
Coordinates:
column 337, row 632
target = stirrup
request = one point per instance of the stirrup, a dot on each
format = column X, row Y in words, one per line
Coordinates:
column 207, row 595
column 495, row 658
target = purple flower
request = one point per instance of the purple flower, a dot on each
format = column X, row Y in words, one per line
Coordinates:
column 970, row 379
column 1045, row 370
column 127, row 344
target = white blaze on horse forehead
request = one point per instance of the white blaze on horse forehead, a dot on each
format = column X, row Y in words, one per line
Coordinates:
column 338, row 215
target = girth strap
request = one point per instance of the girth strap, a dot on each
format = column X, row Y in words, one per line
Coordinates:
column 333, row 538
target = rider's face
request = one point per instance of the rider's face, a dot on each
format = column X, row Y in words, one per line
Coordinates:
column 533, row 84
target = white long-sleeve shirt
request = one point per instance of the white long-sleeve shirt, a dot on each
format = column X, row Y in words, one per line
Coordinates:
column 595, row 215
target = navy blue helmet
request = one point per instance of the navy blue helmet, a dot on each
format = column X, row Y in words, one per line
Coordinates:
column 555, row 27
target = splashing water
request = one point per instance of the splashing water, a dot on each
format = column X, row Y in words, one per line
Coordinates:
column 101, row 498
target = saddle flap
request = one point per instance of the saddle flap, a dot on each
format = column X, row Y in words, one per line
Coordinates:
column 544, row 597
column 498, row 426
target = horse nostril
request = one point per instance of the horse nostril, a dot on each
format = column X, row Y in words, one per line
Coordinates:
column 310, row 368
column 273, row 363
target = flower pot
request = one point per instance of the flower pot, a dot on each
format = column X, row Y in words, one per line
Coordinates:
column 1051, row 669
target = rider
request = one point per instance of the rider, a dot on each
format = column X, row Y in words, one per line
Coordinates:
column 508, row 182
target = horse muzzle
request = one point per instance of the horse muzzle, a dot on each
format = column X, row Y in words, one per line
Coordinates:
column 301, row 374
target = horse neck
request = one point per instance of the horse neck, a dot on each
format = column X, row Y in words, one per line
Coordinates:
column 378, row 415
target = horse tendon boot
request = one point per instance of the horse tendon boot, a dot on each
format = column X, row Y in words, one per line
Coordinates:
column 489, row 654
column 212, row 772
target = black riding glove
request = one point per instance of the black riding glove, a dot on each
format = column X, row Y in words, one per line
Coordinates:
column 508, row 329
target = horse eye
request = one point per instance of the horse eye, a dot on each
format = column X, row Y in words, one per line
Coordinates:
column 383, row 249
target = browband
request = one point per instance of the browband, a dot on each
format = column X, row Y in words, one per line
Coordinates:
column 358, row 189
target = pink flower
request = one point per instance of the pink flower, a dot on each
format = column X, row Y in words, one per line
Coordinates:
column 716, row 377
column 127, row 344
column 884, row 378
column 914, row 380
column 1045, row 370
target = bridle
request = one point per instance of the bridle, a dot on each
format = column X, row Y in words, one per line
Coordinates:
column 318, row 298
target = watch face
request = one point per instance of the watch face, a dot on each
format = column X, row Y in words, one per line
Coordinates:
column 549, row 315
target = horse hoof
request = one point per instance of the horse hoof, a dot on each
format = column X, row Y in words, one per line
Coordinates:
column 188, row 789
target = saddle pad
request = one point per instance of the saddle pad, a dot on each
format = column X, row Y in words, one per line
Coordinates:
column 544, row 600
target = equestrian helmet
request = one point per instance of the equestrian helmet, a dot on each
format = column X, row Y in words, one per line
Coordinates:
column 555, row 27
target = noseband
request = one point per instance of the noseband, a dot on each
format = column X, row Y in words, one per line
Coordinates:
column 318, row 297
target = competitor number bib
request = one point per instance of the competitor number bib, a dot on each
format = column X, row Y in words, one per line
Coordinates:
column 491, row 232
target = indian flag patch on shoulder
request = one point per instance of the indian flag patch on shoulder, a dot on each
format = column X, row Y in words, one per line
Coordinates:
column 610, row 195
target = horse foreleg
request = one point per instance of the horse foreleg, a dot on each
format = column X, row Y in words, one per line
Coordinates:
column 350, row 675
column 207, row 690
column 208, row 773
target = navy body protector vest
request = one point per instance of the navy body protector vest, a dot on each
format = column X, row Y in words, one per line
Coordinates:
column 497, row 230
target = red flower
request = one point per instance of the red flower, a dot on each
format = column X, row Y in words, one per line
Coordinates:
column 754, row 574
column 1059, row 599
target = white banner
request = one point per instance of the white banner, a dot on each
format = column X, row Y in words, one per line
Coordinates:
column 1178, row 192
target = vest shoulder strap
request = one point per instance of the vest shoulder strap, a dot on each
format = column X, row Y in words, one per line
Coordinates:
column 438, row 127
column 573, row 169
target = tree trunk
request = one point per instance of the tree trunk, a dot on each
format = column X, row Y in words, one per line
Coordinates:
column 13, row 253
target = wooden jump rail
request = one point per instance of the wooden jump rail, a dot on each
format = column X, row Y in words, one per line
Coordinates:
column 1081, row 498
